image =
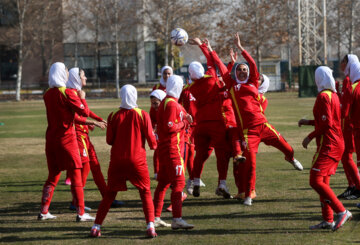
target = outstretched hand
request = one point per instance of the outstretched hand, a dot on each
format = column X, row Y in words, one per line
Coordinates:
column 195, row 41
column 238, row 42
column 206, row 41
column 233, row 55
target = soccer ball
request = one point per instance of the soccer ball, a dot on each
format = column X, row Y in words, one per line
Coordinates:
column 179, row 37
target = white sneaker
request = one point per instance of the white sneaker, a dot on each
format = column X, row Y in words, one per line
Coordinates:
column 223, row 191
column 179, row 223
column 160, row 223
column 248, row 201
column 46, row 216
column 202, row 184
column 342, row 219
column 84, row 217
column 323, row 225
column 190, row 186
column 297, row 165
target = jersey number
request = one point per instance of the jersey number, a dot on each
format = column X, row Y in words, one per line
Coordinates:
column 179, row 170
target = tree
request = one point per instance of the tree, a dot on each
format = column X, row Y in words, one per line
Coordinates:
column 162, row 16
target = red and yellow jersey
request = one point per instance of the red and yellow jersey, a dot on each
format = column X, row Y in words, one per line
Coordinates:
column 263, row 102
column 80, row 121
column 244, row 96
column 159, row 86
column 206, row 92
column 61, row 105
column 171, row 125
column 126, row 133
column 327, row 122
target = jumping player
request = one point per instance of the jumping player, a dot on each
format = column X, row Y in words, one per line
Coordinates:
column 251, row 120
column 127, row 130
column 330, row 147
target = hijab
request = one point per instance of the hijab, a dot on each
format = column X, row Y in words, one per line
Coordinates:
column 324, row 79
column 174, row 86
column 162, row 81
column 196, row 70
column 74, row 79
column 263, row 88
column 128, row 95
column 159, row 94
column 57, row 75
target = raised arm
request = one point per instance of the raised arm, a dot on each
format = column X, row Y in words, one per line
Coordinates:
column 253, row 71
column 210, row 63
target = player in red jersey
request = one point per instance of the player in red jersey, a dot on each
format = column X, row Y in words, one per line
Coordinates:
column 62, row 151
column 330, row 147
column 128, row 127
column 77, row 80
column 350, row 168
column 250, row 118
column 156, row 97
column 210, row 130
column 172, row 122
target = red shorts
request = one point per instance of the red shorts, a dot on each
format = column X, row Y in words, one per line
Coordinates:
column 84, row 145
column 170, row 168
column 323, row 165
column 121, row 171
column 261, row 133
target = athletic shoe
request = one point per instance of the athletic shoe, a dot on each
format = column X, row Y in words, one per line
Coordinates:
column 343, row 217
column 95, row 231
column 179, row 223
column 73, row 208
column 160, row 223
column 84, row 217
column 150, row 233
column 239, row 159
column 189, row 186
column 183, row 197
column 117, row 204
column 46, row 216
column 248, row 201
column 354, row 195
column 347, row 192
column 241, row 196
column 358, row 205
column 67, row 181
column 196, row 191
column 202, row 184
column 223, row 191
column 297, row 165
column 323, row 225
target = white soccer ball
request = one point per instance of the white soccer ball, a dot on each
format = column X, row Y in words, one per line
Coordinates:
column 179, row 37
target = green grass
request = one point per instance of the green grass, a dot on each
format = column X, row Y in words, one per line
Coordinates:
column 281, row 214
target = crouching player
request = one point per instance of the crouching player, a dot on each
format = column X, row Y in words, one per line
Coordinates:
column 330, row 147
column 126, row 133
column 172, row 122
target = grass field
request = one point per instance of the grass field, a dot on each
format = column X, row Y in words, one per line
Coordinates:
column 281, row 214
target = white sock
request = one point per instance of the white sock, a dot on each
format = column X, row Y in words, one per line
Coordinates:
column 197, row 181
column 150, row 225
column 223, row 182
column 342, row 213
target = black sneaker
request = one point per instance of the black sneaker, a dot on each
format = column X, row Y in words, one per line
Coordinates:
column 347, row 192
column 354, row 195
column 196, row 191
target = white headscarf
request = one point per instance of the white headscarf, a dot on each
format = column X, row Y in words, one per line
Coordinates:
column 174, row 86
column 324, row 79
column 162, row 81
column 57, row 75
column 354, row 72
column 352, row 58
column 74, row 79
column 248, row 73
column 128, row 95
column 159, row 94
column 196, row 70
column 263, row 88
